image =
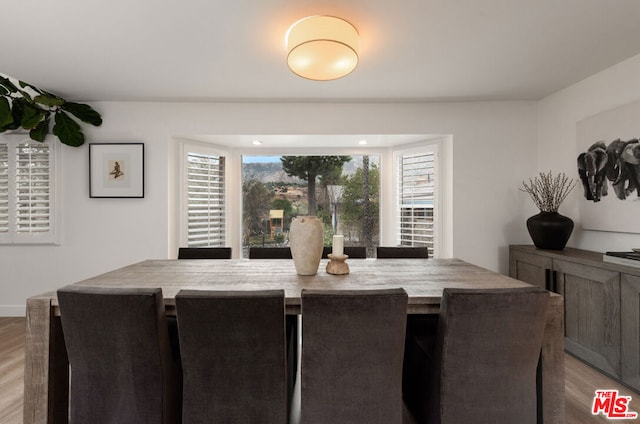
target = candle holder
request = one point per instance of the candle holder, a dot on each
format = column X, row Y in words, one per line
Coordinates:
column 337, row 264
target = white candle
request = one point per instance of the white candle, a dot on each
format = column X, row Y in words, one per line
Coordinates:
column 338, row 245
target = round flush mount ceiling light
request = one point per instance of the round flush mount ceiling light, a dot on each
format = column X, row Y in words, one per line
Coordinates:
column 322, row 48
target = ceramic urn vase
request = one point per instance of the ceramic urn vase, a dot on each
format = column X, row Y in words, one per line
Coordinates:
column 306, row 238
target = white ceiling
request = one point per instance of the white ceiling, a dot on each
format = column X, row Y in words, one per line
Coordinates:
column 411, row 50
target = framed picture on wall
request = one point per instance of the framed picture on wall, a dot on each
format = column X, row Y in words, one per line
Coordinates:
column 116, row 170
column 608, row 163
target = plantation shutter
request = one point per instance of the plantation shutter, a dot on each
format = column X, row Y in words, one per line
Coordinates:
column 4, row 190
column 205, row 200
column 416, row 199
column 27, row 192
column 33, row 191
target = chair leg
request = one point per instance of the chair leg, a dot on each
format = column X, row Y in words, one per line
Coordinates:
column 292, row 353
column 174, row 341
column 419, row 341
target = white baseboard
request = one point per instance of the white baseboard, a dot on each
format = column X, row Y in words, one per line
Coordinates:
column 12, row 310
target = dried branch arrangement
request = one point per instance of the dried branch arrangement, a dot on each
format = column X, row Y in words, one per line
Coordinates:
column 548, row 192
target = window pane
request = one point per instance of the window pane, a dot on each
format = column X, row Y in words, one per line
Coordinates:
column 345, row 196
column 416, row 191
column 205, row 200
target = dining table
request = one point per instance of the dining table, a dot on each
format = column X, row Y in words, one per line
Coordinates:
column 46, row 376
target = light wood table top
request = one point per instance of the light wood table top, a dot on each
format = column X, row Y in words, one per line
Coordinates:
column 423, row 280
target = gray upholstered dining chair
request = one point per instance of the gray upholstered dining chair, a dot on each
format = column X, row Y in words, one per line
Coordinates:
column 292, row 320
column 233, row 356
column 399, row 252
column 352, row 351
column 204, row 253
column 416, row 324
column 122, row 366
column 354, row 252
column 270, row 253
column 481, row 365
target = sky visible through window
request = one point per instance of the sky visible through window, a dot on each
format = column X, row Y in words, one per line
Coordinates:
column 260, row 159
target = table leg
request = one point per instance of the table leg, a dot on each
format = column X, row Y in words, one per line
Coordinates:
column 553, row 410
column 58, row 374
column 46, row 368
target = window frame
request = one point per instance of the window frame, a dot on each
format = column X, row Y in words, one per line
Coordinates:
column 429, row 146
column 203, row 149
column 388, row 186
column 12, row 236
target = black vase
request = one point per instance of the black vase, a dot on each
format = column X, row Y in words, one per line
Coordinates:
column 550, row 230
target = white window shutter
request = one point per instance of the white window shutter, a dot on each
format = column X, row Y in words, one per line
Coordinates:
column 27, row 192
column 417, row 187
column 33, row 188
column 4, row 191
column 205, row 200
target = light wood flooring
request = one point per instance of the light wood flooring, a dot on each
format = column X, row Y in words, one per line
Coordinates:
column 581, row 381
column 11, row 369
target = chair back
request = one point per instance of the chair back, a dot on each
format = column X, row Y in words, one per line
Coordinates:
column 486, row 355
column 204, row 253
column 122, row 367
column 270, row 253
column 233, row 356
column 399, row 252
column 291, row 320
column 352, row 351
column 354, row 252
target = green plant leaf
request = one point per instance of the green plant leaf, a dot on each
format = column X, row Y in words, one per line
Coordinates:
column 26, row 95
column 48, row 100
column 67, row 130
column 5, row 82
column 23, row 93
column 83, row 112
column 30, row 117
column 22, row 104
column 17, row 109
column 40, row 131
column 34, row 88
column 5, row 113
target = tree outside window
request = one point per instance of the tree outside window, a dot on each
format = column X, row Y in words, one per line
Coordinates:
column 343, row 191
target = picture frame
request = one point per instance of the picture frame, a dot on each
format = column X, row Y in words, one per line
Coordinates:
column 116, row 170
column 604, row 137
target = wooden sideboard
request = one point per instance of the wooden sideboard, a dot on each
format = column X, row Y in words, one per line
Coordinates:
column 602, row 305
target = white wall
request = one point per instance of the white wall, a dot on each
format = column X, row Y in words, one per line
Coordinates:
column 558, row 115
column 493, row 148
